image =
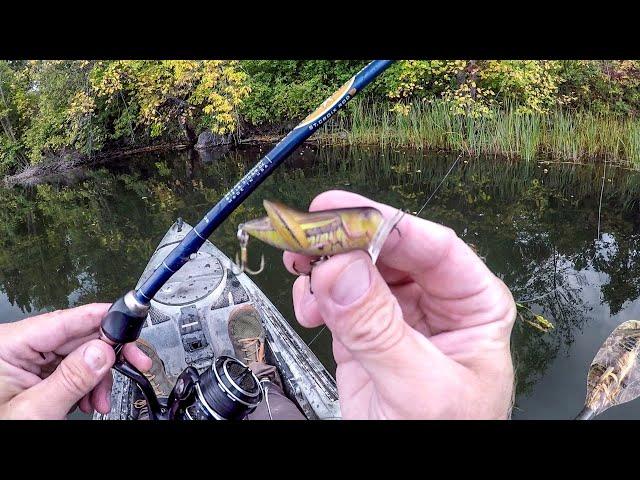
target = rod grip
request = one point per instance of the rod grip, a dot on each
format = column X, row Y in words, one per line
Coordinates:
column 124, row 320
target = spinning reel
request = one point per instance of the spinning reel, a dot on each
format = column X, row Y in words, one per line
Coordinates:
column 228, row 390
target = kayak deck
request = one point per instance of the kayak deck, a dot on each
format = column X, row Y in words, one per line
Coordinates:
column 188, row 326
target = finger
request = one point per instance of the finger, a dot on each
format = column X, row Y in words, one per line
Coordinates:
column 362, row 313
column 75, row 377
column 475, row 344
column 50, row 367
column 340, row 353
column 47, row 332
column 137, row 357
column 71, row 345
column 393, row 276
column 305, row 305
column 296, row 263
column 101, row 395
column 85, row 405
column 421, row 245
column 306, row 308
column 409, row 298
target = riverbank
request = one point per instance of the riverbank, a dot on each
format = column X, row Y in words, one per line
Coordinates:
column 69, row 163
column 560, row 135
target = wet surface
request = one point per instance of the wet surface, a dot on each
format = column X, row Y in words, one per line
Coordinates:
column 535, row 224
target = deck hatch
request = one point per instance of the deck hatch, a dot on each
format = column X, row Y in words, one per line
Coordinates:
column 197, row 279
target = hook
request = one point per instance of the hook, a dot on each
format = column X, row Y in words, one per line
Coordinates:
column 242, row 264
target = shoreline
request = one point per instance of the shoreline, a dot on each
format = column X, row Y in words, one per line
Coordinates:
column 40, row 172
column 556, row 138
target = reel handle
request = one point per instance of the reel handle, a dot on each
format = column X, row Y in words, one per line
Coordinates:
column 157, row 411
column 121, row 325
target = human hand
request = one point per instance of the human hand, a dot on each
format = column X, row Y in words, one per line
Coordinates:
column 51, row 362
column 423, row 335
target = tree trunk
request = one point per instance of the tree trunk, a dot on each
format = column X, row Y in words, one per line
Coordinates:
column 188, row 130
column 6, row 123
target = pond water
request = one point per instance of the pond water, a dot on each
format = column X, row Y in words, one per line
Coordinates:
column 536, row 225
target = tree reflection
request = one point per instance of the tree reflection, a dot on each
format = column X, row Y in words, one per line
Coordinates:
column 68, row 244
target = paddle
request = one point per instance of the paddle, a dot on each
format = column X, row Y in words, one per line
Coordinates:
column 614, row 374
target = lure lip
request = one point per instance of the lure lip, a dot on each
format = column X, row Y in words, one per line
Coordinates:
column 382, row 234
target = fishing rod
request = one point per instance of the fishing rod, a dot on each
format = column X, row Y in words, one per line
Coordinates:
column 123, row 322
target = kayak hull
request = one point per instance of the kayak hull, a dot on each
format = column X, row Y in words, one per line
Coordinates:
column 188, row 326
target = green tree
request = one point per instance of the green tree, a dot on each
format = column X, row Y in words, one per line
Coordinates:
column 286, row 91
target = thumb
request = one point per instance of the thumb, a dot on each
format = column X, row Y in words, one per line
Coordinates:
column 364, row 315
column 75, row 377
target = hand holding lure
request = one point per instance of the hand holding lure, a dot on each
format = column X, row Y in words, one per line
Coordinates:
column 317, row 234
column 124, row 321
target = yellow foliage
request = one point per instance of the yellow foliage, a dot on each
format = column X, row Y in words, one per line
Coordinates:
column 472, row 87
column 161, row 89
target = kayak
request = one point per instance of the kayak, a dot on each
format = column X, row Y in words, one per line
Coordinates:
column 188, row 326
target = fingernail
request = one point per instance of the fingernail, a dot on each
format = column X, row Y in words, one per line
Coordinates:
column 352, row 283
column 94, row 357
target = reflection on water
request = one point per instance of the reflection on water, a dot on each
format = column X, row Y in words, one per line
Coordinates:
column 535, row 225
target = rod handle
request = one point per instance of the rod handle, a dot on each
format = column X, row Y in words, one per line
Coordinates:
column 124, row 320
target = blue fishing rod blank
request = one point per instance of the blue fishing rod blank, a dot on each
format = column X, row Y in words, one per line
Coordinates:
column 267, row 164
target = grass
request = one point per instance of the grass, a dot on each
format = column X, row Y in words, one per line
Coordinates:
column 560, row 134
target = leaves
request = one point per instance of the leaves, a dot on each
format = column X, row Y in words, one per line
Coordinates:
column 49, row 107
column 537, row 321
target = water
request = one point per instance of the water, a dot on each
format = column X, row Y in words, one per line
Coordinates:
column 89, row 238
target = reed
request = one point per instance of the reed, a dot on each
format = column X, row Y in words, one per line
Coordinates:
column 560, row 135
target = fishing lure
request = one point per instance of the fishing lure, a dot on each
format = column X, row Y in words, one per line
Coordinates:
column 318, row 234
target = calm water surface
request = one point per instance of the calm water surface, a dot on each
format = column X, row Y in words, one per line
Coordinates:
column 88, row 239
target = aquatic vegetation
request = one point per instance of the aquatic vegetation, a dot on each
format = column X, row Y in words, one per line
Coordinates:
column 535, row 320
column 569, row 110
column 507, row 131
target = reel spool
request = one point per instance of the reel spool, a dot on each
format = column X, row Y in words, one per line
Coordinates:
column 228, row 390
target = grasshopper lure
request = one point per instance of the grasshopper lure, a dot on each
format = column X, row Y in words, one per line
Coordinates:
column 316, row 234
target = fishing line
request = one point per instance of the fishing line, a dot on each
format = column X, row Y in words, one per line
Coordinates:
column 597, row 239
column 604, row 176
column 439, row 185
column 265, row 391
column 314, row 338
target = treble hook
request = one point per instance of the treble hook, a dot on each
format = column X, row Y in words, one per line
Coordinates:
column 242, row 265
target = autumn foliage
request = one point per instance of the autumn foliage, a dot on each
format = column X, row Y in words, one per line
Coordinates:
column 49, row 108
